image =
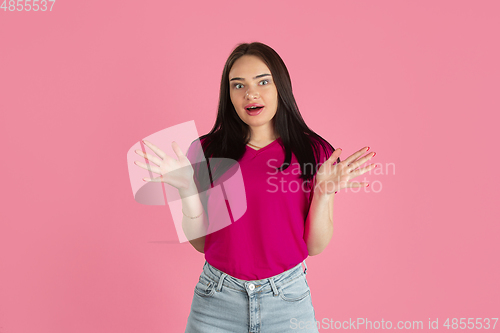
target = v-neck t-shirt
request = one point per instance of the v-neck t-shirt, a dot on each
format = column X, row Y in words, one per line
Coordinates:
column 268, row 238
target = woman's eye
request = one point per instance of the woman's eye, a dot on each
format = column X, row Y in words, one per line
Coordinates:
column 238, row 85
column 264, row 82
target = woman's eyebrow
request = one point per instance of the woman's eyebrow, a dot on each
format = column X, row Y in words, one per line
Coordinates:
column 242, row 79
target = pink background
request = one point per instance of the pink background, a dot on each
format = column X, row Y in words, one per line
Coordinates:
column 416, row 81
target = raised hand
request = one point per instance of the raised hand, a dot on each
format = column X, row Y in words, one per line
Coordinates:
column 332, row 178
column 178, row 173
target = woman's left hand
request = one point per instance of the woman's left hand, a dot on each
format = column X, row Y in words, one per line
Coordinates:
column 332, row 178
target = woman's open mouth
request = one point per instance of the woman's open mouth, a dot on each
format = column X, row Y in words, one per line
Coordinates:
column 254, row 110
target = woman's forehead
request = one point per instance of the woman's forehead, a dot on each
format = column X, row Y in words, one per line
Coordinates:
column 248, row 67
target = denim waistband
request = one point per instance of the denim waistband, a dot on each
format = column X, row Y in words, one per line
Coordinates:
column 222, row 279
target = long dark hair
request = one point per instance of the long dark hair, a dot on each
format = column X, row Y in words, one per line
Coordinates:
column 230, row 134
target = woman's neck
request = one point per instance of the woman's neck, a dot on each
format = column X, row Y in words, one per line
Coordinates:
column 262, row 135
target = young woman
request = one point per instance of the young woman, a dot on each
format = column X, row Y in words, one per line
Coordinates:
column 252, row 279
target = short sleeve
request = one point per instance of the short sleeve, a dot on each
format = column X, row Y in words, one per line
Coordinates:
column 323, row 156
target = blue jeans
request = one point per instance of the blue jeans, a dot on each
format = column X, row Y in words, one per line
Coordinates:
column 225, row 304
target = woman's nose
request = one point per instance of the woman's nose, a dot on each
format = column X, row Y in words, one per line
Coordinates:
column 251, row 94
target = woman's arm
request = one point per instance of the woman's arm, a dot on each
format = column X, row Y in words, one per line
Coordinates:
column 331, row 178
column 195, row 229
column 319, row 222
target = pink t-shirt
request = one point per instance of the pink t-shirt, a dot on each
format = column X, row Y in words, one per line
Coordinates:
column 269, row 238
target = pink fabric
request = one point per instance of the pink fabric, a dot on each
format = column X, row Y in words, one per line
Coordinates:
column 269, row 238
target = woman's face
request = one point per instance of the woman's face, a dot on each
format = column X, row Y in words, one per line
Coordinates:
column 251, row 84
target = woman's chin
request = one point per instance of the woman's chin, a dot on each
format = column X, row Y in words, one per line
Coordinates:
column 257, row 123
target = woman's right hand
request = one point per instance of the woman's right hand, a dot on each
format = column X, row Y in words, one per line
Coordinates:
column 178, row 173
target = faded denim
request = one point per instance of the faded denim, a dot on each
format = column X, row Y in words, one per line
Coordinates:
column 222, row 303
